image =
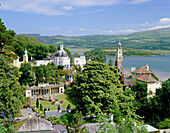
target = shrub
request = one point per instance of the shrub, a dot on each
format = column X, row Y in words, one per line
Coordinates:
column 164, row 124
column 45, row 110
column 59, row 107
column 41, row 108
column 50, row 100
column 56, row 99
column 48, row 109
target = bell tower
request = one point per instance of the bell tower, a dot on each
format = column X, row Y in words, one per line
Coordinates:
column 25, row 56
column 119, row 59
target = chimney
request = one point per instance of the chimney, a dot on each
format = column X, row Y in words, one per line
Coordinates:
column 133, row 69
column 147, row 67
column 29, row 116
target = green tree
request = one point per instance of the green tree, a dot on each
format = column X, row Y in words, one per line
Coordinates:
column 37, row 103
column 11, row 92
column 27, row 76
column 96, row 55
column 76, row 55
column 74, row 120
column 110, row 62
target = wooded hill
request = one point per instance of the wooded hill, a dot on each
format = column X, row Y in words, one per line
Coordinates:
column 153, row 39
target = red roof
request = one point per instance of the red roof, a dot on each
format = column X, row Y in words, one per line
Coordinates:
column 69, row 74
column 147, row 78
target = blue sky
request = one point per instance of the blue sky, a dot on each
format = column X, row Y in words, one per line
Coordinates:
column 84, row 17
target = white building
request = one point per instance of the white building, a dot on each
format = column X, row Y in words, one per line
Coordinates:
column 42, row 62
column 79, row 61
column 61, row 58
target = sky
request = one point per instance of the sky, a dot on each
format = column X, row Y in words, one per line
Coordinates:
column 84, row 17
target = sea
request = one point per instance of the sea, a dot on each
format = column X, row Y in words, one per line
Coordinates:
column 160, row 65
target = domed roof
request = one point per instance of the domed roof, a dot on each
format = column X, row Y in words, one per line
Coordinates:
column 61, row 52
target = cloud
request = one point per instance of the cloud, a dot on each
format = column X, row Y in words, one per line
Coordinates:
column 139, row 1
column 57, row 7
column 159, row 27
column 49, row 28
column 164, row 20
column 67, row 8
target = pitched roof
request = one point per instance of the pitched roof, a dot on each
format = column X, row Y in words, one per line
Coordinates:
column 53, row 113
column 127, row 74
column 36, row 124
column 147, row 78
column 141, row 70
column 59, row 127
column 69, row 74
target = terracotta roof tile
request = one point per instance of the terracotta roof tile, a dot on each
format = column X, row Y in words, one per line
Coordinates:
column 141, row 70
column 127, row 74
column 147, row 78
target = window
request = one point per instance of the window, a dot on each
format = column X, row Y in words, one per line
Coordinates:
column 128, row 82
column 133, row 74
column 127, row 78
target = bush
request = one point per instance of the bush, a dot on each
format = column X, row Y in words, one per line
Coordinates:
column 45, row 110
column 50, row 100
column 53, row 102
column 164, row 124
column 56, row 99
column 41, row 108
column 59, row 108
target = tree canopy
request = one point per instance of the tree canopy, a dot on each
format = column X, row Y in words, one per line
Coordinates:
column 98, row 90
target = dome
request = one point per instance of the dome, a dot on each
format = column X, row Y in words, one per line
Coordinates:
column 61, row 53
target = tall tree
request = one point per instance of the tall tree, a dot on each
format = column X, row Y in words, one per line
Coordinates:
column 11, row 92
column 27, row 76
column 98, row 90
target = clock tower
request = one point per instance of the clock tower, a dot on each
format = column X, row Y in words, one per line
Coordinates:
column 119, row 59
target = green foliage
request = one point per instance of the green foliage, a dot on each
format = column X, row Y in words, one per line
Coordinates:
column 76, row 55
column 60, row 67
column 54, row 120
column 11, row 92
column 96, row 55
column 59, row 108
column 97, row 90
column 37, row 103
column 41, row 107
column 164, row 124
column 45, row 109
column 74, row 120
column 6, row 126
column 27, row 76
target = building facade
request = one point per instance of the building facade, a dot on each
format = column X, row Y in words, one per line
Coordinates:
column 61, row 58
column 79, row 61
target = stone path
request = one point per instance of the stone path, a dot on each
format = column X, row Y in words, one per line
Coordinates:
column 25, row 113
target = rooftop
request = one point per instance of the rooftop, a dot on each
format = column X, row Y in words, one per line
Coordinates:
column 141, row 70
column 147, row 78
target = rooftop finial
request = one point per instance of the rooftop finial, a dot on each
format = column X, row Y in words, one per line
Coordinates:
column 61, row 46
column 119, row 41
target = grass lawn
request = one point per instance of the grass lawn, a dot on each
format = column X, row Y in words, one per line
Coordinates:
column 66, row 100
column 159, row 51
column 64, row 97
column 43, row 102
column 81, row 49
column 18, row 124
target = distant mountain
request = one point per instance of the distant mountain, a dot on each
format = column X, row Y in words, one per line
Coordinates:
column 152, row 39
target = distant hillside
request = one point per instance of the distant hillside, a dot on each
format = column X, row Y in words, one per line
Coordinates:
column 152, row 39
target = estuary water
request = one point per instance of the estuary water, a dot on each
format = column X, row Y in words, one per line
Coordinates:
column 160, row 65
